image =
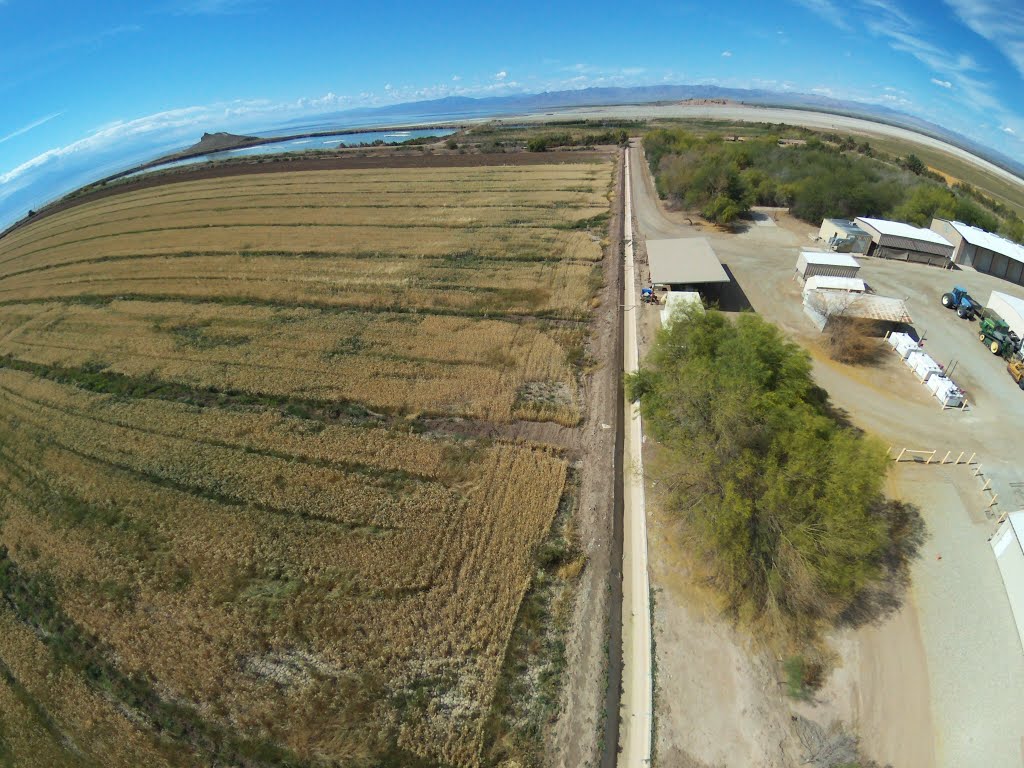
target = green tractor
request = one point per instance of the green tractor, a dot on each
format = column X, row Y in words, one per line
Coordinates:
column 997, row 336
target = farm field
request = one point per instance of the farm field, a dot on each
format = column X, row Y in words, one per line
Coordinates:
column 228, row 533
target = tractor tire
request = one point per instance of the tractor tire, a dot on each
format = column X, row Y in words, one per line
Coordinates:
column 994, row 346
column 962, row 313
column 1021, row 383
column 947, row 300
column 981, row 337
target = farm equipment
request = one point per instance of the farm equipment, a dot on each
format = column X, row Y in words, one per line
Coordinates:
column 1016, row 370
column 648, row 296
column 960, row 300
column 996, row 335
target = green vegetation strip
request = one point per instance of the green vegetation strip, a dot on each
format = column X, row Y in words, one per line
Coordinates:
column 781, row 501
column 816, row 179
column 33, row 600
column 574, row 318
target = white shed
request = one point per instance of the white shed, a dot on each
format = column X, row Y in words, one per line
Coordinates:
column 1010, row 308
column 813, row 263
column 829, row 283
column 676, row 300
column 1008, row 546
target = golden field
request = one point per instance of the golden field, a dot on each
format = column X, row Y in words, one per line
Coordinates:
column 228, row 536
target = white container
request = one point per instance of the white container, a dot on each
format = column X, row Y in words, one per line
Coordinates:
column 926, row 367
column 906, row 345
column 896, row 337
column 935, row 382
column 912, row 357
column 946, row 392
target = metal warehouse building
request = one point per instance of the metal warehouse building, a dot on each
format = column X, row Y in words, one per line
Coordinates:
column 686, row 264
column 983, row 250
column 843, row 236
column 904, row 242
column 812, row 264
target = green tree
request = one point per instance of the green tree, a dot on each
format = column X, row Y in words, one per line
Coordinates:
column 784, row 505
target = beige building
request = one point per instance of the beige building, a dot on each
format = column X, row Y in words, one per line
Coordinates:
column 843, row 236
column 983, row 251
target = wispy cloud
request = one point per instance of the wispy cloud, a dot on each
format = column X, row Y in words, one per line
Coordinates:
column 1009, row 130
column 216, row 7
column 726, row 54
column 998, row 21
column 942, row 83
column 827, row 10
column 34, row 124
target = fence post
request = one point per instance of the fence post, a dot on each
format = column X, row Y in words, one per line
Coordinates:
column 971, row 460
column 932, row 456
column 946, row 456
column 901, row 454
column 959, row 457
column 994, row 498
column 987, row 485
column 977, row 471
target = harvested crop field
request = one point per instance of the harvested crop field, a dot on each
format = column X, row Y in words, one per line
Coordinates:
column 228, row 533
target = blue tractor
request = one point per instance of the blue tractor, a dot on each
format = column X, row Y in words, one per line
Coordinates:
column 960, row 300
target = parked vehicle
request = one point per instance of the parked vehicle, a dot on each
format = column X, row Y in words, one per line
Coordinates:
column 1016, row 370
column 965, row 306
column 995, row 334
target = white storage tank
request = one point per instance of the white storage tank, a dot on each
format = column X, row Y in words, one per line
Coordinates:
column 926, row 367
column 912, row 357
column 896, row 338
column 906, row 345
column 947, row 393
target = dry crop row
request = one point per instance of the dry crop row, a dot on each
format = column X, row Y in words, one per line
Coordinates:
column 488, row 242
column 404, row 363
column 552, row 288
column 301, row 617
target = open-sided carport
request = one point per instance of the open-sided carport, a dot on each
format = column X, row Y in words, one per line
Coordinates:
column 686, row 264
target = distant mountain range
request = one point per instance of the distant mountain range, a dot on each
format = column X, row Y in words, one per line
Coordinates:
column 455, row 106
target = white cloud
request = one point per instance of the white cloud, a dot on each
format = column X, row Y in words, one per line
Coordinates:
column 942, row 83
column 455, row 78
column 216, row 7
column 30, row 126
column 387, row 86
column 1009, row 130
column 827, row 10
column 501, row 75
column 999, row 22
column 726, row 54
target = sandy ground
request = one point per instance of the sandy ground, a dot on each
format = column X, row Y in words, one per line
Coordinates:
column 940, row 681
column 805, row 118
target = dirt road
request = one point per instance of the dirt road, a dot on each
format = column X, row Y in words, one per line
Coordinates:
column 637, row 683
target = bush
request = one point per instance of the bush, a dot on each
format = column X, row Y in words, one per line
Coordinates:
column 783, row 504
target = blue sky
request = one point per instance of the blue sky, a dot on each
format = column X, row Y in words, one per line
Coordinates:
column 88, row 87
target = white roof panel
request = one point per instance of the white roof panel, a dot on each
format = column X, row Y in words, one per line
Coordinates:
column 989, row 241
column 835, row 283
column 830, row 258
column 867, row 306
column 684, row 260
column 909, row 231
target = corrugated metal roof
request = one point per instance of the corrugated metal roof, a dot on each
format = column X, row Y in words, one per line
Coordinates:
column 830, row 282
column 899, row 229
column 989, row 241
column 830, row 258
column 686, row 260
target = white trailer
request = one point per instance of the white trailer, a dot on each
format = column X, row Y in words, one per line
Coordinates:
column 1008, row 547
